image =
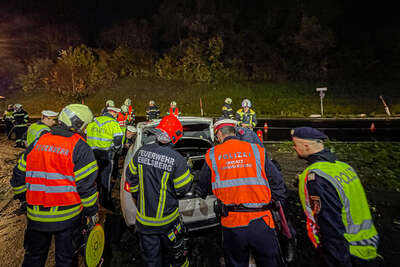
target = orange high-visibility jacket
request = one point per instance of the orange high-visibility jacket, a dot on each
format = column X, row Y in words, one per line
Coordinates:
column 173, row 111
column 238, row 177
column 122, row 119
column 50, row 177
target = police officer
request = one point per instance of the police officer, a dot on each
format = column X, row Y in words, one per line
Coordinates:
column 104, row 136
column 7, row 117
column 244, row 134
column 109, row 103
column 245, row 182
column 156, row 176
column 245, row 116
column 56, row 176
column 20, row 121
column 339, row 221
column 173, row 109
column 37, row 129
column 152, row 111
column 227, row 111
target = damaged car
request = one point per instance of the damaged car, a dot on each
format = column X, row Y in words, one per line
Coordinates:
column 198, row 137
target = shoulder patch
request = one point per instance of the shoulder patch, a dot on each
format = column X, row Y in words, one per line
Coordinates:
column 315, row 202
column 311, row 176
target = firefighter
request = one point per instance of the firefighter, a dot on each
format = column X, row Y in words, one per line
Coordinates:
column 20, row 121
column 56, row 176
column 173, row 109
column 245, row 116
column 152, row 111
column 123, row 117
column 245, row 183
column 339, row 221
column 156, row 176
column 227, row 111
column 130, row 136
column 37, row 129
column 104, row 136
column 109, row 103
column 131, row 111
column 7, row 117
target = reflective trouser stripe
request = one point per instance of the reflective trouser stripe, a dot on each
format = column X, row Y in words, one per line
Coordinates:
column 53, row 215
column 151, row 221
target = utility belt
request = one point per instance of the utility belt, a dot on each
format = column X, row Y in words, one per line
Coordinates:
column 222, row 210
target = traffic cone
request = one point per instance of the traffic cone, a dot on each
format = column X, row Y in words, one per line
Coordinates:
column 372, row 128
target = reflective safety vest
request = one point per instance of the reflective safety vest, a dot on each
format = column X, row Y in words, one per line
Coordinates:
column 102, row 131
column 356, row 216
column 35, row 130
column 8, row 115
column 174, row 111
column 50, row 178
column 238, row 177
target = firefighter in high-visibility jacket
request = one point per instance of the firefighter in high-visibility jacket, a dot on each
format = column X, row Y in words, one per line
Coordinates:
column 7, row 117
column 56, row 177
column 173, row 109
column 156, row 176
column 245, row 116
column 339, row 222
column 37, row 129
column 104, row 136
column 20, row 120
column 245, row 182
column 227, row 111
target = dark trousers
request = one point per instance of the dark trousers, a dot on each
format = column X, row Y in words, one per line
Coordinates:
column 9, row 126
column 19, row 133
column 37, row 245
column 105, row 162
column 159, row 251
column 258, row 238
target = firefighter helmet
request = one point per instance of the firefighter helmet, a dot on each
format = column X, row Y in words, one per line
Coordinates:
column 246, row 103
column 128, row 102
column 17, row 106
column 228, row 100
column 76, row 116
column 124, row 108
column 110, row 103
column 172, row 127
column 152, row 102
column 173, row 104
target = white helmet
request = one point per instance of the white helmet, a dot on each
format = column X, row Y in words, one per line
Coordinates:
column 128, row 102
column 76, row 116
column 152, row 102
column 228, row 100
column 246, row 103
column 110, row 103
column 173, row 103
column 17, row 106
column 124, row 108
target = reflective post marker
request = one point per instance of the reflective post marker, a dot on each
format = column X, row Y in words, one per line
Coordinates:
column 322, row 91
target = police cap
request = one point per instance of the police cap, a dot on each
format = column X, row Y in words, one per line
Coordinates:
column 308, row 133
column 49, row 114
column 224, row 123
column 114, row 109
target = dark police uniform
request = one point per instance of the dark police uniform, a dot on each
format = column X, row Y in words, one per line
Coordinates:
column 156, row 175
column 248, row 135
column 333, row 247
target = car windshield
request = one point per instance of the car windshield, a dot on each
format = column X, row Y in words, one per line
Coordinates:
column 190, row 129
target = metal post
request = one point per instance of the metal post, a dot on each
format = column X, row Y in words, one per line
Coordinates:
column 322, row 95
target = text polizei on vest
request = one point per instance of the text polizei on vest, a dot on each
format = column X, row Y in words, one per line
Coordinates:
column 156, row 160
